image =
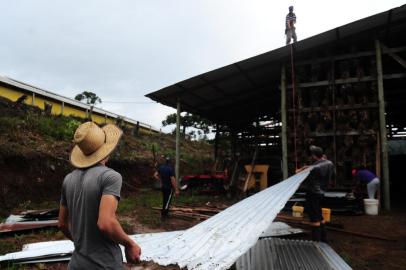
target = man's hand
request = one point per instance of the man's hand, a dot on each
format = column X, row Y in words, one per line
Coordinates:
column 133, row 253
column 177, row 192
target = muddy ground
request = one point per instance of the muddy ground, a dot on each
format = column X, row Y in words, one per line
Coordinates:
column 137, row 216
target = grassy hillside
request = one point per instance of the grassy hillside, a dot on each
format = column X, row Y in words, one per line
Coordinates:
column 35, row 148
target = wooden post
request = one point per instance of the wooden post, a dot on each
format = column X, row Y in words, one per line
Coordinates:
column 382, row 124
column 284, row 124
column 33, row 99
column 62, row 107
column 216, row 141
column 177, row 160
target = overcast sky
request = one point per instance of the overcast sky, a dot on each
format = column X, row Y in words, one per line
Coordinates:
column 124, row 49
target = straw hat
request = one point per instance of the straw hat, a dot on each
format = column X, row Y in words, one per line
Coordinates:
column 93, row 144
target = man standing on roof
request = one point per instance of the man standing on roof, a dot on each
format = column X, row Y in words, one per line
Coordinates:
column 290, row 29
column 89, row 200
column 316, row 183
column 166, row 175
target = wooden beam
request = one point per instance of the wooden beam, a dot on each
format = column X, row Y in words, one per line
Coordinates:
column 382, row 123
column 396, row 57
column 177, row 141
column 284, row 124
column 350, row 80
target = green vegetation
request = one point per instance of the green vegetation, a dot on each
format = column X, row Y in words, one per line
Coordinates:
column 58, row 127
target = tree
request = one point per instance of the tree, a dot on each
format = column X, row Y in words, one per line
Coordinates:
column 190, row 120
column 89, row 97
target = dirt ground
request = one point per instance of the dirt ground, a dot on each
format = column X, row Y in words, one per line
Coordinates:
column 137, row 216
column 364, row 253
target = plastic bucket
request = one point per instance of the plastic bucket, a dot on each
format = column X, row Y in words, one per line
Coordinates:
column 371, row 207
column 326, row 212
column 297, row 211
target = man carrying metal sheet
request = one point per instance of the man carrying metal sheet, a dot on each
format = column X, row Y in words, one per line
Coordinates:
column 316, row 183
column 166, row 175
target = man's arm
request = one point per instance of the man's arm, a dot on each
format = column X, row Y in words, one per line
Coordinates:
column 63, row 221
column 109, row 226
column 156, row 175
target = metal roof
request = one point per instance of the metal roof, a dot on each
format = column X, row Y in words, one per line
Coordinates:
column 214, row 244
column 70, row 101
column 280, row 254
column 241, row 92
column 61, row 250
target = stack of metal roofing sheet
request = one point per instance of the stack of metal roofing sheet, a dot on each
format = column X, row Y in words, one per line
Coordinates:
column 280, row 254
column 213, row 244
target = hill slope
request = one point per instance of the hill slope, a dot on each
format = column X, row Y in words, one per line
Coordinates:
column 35, row 148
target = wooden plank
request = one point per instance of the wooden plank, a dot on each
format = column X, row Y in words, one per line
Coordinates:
column 254, row 159
column 349, row 80
column 339, row 107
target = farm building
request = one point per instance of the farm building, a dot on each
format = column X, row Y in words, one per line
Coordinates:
column 342, row 89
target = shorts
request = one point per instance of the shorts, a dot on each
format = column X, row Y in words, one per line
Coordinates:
column 313, row 207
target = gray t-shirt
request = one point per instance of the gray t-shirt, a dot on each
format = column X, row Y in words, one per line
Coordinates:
column 81, row 194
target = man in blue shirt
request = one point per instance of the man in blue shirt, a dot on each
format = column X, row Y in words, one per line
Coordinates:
column 166, row 175
column 364, row 176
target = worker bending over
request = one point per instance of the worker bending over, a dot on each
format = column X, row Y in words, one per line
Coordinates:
column 316, row 183
column 290, row 29
column 364, row 176
column 166, row 175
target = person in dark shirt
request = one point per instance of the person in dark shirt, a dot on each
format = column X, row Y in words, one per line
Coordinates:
column 316, row 184
column 290, row 29
column 166, row 175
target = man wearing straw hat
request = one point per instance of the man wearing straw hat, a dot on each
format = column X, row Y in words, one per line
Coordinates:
column 89, row 200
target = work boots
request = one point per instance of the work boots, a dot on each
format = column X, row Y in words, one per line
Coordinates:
column 316, row 233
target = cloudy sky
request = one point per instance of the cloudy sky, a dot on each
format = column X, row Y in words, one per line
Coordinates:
column 124, row 49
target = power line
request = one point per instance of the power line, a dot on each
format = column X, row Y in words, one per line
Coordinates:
column 132, row 102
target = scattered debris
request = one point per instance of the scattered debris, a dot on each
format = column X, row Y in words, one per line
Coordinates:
column 29, row 220
column 216, row 243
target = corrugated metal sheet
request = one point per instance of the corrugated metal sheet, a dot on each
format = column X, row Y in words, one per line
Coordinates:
column 281, row 254
column 213, row 244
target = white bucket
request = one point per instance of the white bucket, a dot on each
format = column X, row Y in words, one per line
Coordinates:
column 371, row 207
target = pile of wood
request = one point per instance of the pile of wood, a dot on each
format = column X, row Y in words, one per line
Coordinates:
column 194, row 213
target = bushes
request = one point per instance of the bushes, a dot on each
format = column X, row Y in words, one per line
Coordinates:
column 58, row 127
